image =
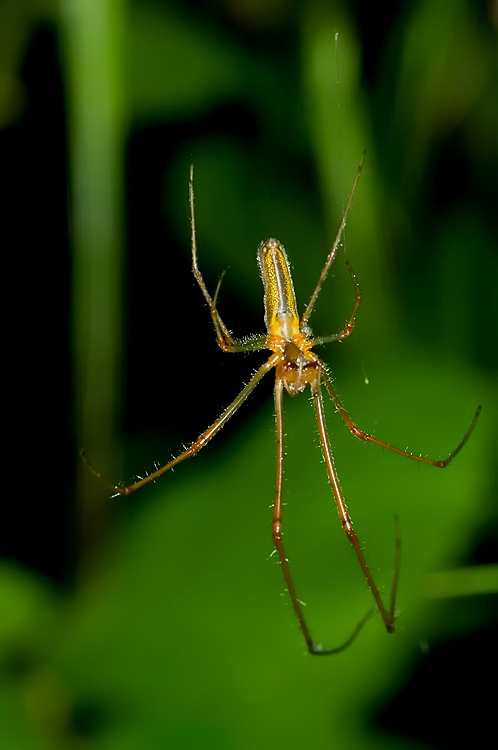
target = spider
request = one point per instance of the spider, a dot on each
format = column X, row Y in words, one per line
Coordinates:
column 296, row 367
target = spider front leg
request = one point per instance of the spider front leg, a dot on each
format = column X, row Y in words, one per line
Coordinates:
column 366, row 437
column 314, row 648
column 387, row 616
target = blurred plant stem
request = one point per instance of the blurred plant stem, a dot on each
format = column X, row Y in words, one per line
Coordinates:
column 93, row 48
column 480, row 579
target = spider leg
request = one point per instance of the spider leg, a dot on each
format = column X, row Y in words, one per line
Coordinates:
column 388, row 617
column 333, row 250
column 349, row 325
column 201, row 441
column 225, row 339
column 366, row 437
column 222, row 332
column 313, row 648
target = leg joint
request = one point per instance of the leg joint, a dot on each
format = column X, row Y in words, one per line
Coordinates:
column 277, row 530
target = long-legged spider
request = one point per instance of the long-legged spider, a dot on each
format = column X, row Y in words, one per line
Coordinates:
column 290, row 341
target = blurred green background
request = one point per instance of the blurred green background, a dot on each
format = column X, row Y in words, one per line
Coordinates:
column 161, row 620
